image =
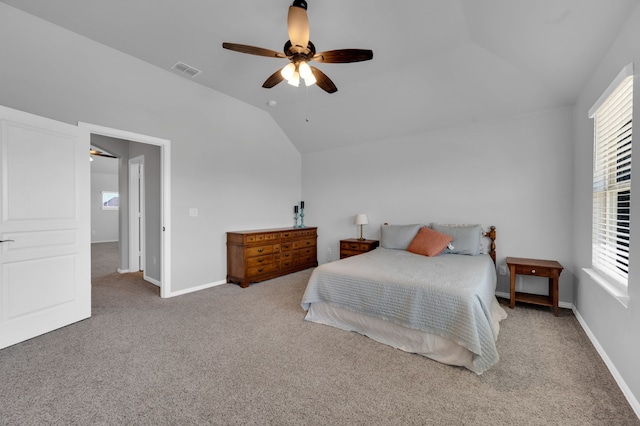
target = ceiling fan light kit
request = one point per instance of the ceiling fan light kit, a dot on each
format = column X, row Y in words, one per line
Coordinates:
column 300, row 51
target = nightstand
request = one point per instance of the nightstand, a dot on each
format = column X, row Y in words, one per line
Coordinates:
column 353, row 246
column 539, row 268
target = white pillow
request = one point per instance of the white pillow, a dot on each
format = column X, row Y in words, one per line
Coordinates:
column 466, row 238
column 398, row 236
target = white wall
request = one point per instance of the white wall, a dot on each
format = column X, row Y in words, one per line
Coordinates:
column 104, row 223
column 228, row 159
column 614, row 327
column 514, row 174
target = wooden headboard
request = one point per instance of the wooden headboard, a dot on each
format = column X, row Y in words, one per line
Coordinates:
column 491, row 234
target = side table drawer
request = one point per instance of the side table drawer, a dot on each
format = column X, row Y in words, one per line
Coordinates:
column 534, row 270
column 345, row 245
column 348, row 253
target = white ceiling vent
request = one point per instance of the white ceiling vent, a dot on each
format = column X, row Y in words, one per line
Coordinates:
column 186, row 69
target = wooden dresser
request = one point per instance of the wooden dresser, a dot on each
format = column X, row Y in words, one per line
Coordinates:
column 262, row 254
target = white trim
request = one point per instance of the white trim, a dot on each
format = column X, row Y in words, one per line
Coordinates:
column 611, row 287
column 151, row 280
column 626, row 72
column 123, row 271
column 192, row 289
column 137, row 244
column 633, row 401
column 165, row 191
column 104, row 241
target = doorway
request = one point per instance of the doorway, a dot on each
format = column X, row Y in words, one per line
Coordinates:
column 163, row 227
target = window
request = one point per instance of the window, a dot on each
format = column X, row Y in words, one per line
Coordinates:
column 613, row 117
column 110, row 200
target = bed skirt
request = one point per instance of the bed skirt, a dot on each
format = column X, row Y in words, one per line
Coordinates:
column 426, row 344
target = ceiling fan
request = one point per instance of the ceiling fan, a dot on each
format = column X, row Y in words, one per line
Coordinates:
column 100, row 153
column 300, row 51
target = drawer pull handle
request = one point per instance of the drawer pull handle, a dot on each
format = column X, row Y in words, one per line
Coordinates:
column 533, row 271
column 260, row 250
column 260, row 260
column 261, row 269
column 353, row 246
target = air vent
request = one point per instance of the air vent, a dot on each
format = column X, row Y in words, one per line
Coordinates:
column 186, row 69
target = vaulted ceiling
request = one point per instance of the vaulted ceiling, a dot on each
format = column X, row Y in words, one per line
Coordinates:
column 437, row 63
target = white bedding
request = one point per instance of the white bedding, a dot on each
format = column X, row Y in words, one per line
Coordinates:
column 442, row 307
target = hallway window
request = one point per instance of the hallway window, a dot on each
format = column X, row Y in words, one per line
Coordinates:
column 110, row 200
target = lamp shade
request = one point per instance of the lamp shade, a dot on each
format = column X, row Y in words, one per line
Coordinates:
column 361, row 219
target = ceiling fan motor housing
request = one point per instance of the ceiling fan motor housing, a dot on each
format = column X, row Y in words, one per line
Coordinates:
column 307, row 55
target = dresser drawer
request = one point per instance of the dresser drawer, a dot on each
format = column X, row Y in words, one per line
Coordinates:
column 260, row 250
column 304, row 243
column 260, row 260
column 286, row 235
column 307, row 259
column 257, row 238
column 286, row 255
column 304, row 233
column 263, row 269
column 307, row 251
column 284, row 246
column 289, row 263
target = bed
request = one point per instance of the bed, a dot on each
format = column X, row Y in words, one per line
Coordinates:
column 441, row 305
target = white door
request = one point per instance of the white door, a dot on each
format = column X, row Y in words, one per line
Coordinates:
column 45, row 253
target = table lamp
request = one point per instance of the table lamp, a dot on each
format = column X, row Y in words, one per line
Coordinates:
column 361, row 219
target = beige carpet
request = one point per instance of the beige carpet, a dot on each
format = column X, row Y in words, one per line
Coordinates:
column 233, row 356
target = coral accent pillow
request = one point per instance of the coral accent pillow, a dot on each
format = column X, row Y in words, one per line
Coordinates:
column 428, row 242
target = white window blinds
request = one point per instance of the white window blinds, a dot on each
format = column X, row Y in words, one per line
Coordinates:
column 612, row 180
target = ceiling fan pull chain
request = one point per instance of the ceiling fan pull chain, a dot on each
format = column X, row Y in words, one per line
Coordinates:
column 307, row 106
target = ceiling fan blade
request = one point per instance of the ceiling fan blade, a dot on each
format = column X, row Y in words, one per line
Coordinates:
column 298, row 25
column 323, row 81
column 273, row 79
column 252, row 50
column 100, row 153
column 343, row 56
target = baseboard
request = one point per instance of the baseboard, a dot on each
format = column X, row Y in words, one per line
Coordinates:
column 633, row 401
column 192, row 289
column 106, row 241
column 123, row 271
column 560, row 303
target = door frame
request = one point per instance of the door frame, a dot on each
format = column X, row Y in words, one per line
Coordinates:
column 165, row 192
column 137, row 242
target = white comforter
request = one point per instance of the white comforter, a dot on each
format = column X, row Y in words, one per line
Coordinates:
column 448, row 295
